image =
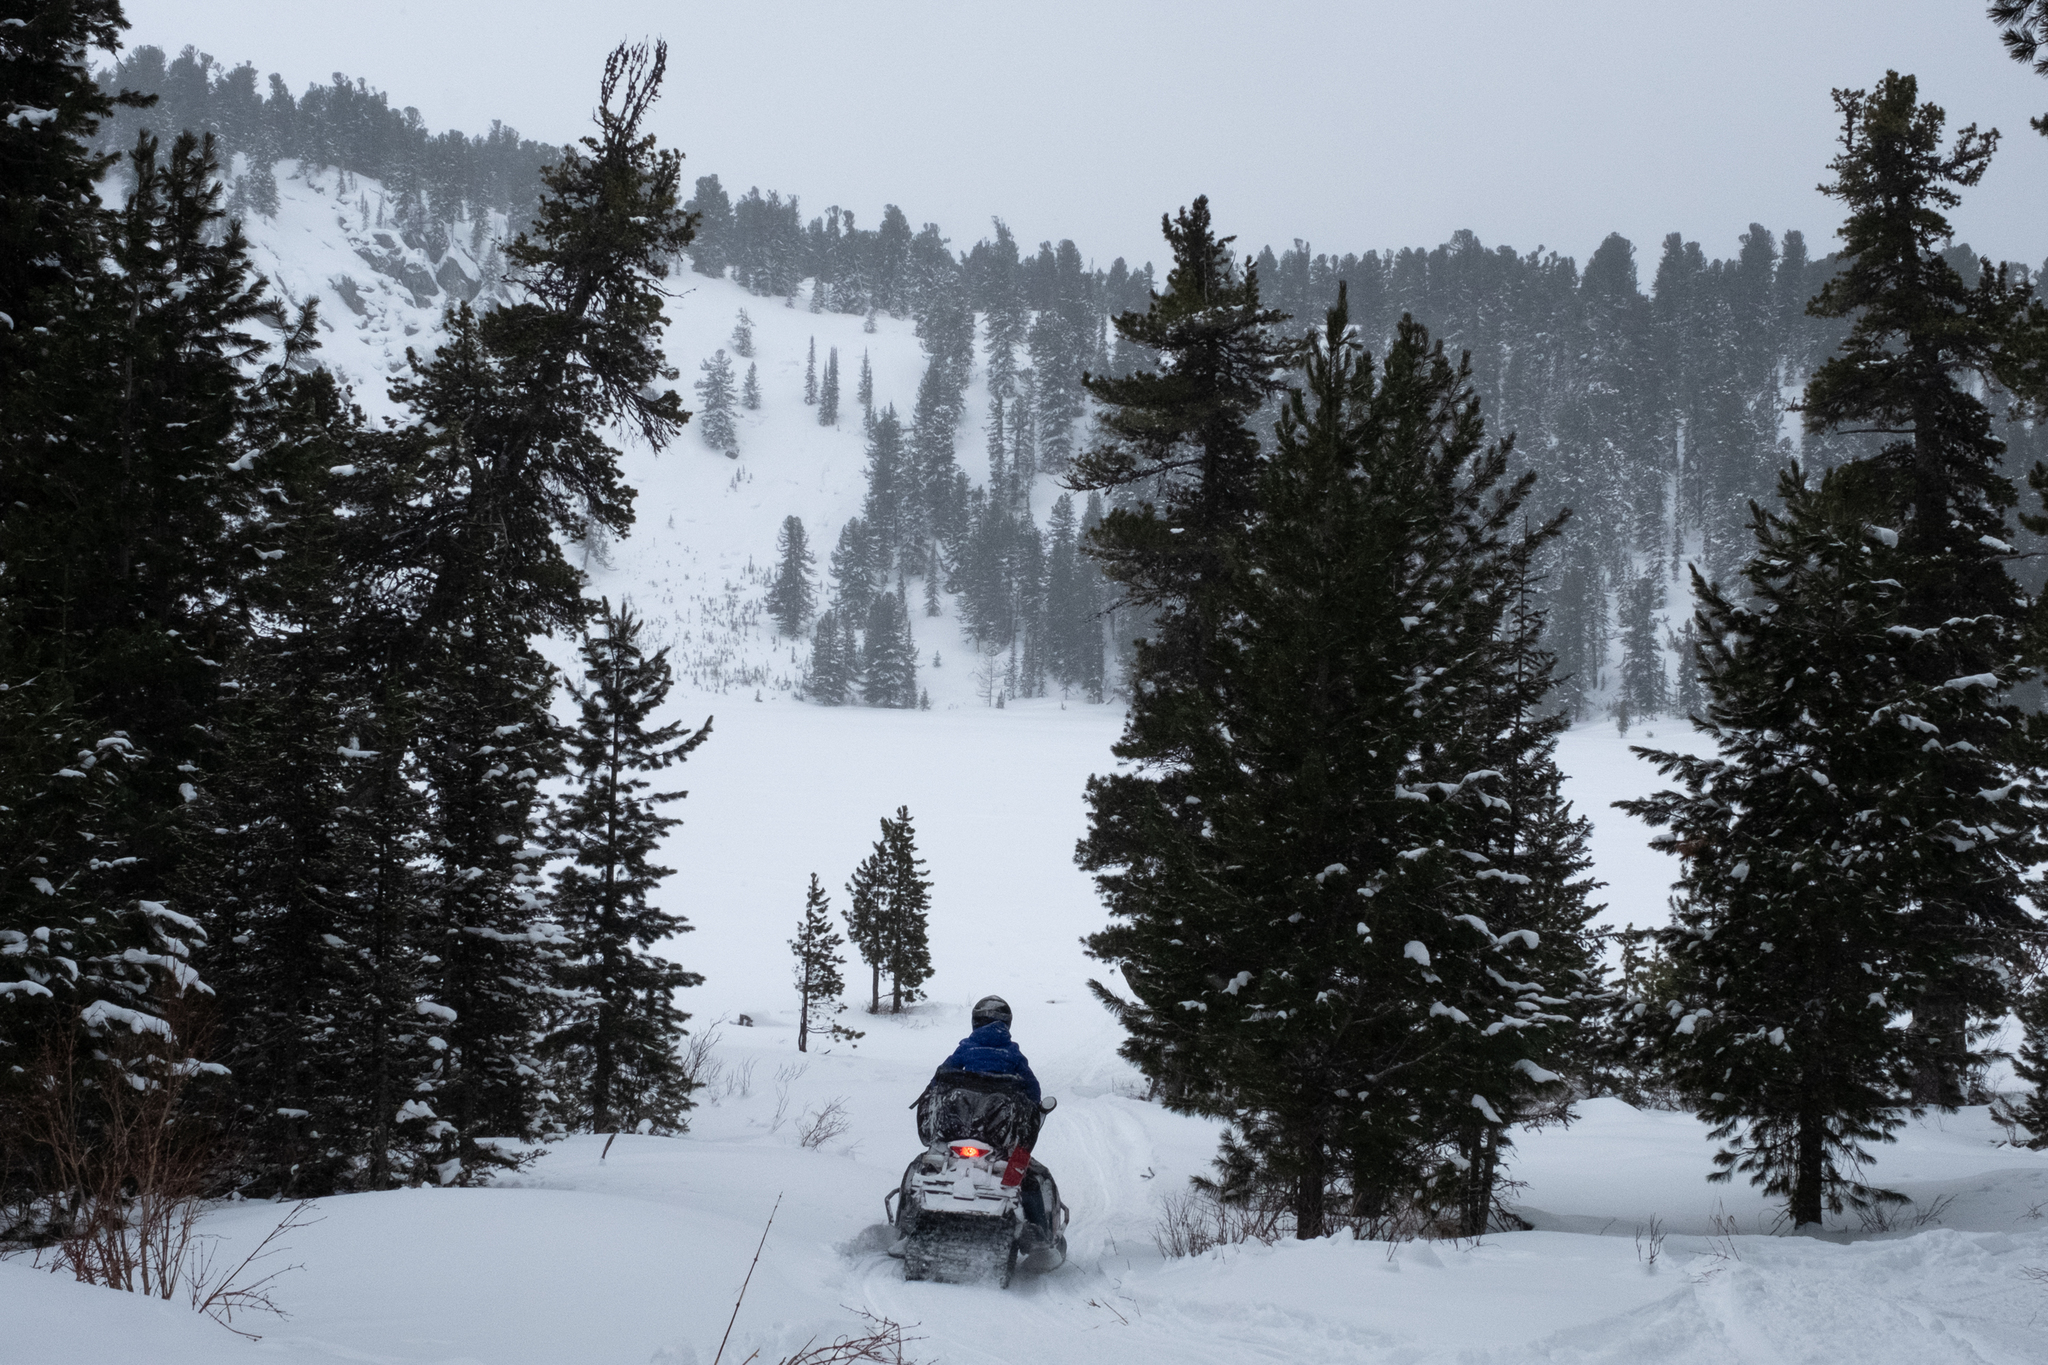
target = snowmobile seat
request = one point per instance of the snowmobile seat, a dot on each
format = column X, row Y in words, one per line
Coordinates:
column 977, row 1104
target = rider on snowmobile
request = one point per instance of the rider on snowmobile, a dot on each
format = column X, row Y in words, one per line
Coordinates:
column 989, row 1051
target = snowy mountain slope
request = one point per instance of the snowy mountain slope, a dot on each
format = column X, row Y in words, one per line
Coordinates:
column 636, row 1257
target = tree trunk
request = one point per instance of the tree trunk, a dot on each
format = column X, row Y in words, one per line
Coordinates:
column 1939, row 1021
column 1309, row 1184
column 1806, row 1174
column 803, row 1017
column 875, row 999
column 1481, row 1147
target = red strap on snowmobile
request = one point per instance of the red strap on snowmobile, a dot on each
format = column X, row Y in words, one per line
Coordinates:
column 1020, row 1162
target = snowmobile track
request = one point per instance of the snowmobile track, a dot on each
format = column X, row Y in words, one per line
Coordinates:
column 956, row 1248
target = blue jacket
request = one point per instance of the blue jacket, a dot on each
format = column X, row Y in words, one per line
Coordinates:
column 989, row 1050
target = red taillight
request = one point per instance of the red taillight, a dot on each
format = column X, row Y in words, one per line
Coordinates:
column 969, row 1150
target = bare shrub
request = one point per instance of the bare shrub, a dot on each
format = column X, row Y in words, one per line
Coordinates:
column 246, row 1287
column 739, row 1079
column 700, row 1068
column 821, row 1125
column 881, row 1341
column 109, row 1161
column 1197, row 1221
column 786, row 1075
column 1883, row 1215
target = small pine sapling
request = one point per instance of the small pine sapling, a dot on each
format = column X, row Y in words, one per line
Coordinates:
column 818, row 981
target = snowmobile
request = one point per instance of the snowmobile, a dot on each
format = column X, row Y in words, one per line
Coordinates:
column 960, row 1213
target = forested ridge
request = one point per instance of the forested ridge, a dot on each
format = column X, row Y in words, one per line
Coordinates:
column 1652, row 396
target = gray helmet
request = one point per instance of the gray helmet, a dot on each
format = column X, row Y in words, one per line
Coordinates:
column 991, row 1008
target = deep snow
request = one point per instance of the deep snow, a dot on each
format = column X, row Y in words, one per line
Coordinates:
column 636, row 1258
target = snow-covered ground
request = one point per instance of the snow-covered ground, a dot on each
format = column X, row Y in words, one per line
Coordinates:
column 636, row 1257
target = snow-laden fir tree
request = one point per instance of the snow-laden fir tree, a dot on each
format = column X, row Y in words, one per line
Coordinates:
column 743, row 336
column 817, row 977
column 504, row 462
column 889, row 653
column 1184, row 430
column 1295, row 860
column 828, row 392
column 750, row 391
column 853, row 567
column 792, row 594
column 892, row 506
column 612, row 1045
column 811, row 374
column 890, row 902
column 866, row 396
column 715, row 396
column 828, row 680
column 1856, row 848
column 1644, row 692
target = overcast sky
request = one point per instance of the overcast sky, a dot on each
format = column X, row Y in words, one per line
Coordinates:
column 1374, row 123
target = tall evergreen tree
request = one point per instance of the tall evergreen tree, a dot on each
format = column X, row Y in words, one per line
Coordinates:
column 1855, row 849
column 886, row 918
column 750, row 391
column 818, row 982
column 1920, row 339
column 791, row 595
column 829, row 679
column 854, row 567
column 512, row 460
column 1294, row 865
column 715, row 393
column 614, row 1036
column 1644, row 691
column 889, row 656
column 828, row 392
column 743, row 336
column 811, row 374
column 1185, row 432
column 891, row 508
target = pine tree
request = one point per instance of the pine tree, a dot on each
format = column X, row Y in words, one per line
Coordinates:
column 614, row 1035
column 854, row 567
column 2031, row 1063
column 743, row 337
column 889, row 658
column 1299, row 898
column 818, row 982
column 828, row 393
column 1920, row 338
column 750, row 392
column 827, row 681
column 1186, row 426
column 932, row 605
column 790, row 596
column 811, row 374
column 714, row 418
column 886, row 919
column 1644, row 691
column 505, row 462
column 891, row 508
column 712, row 245
column 1854, row 849
column 866, row 395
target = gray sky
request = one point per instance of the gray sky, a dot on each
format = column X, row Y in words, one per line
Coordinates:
column 1367, row 124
